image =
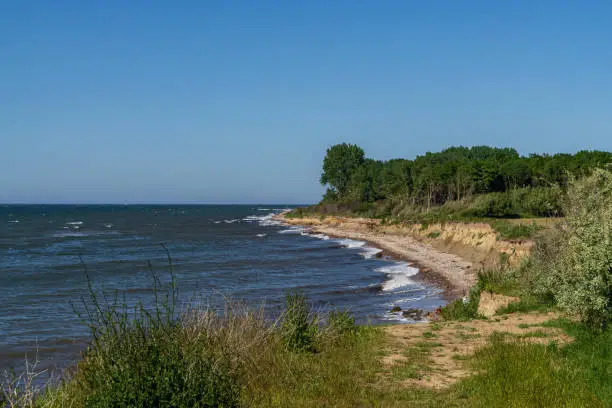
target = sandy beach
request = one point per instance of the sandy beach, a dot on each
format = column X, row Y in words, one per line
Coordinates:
column 455, row 273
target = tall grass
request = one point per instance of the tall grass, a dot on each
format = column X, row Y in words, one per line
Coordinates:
column 159, row 356
column 517, row 373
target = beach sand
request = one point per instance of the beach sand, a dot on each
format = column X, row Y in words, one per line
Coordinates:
column 449, row 262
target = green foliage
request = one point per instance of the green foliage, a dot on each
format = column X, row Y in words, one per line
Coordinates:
column 499, row 280
column 341, row 323
column 146, row 358
column 463, row 309
column 527, row 304
column 510, row 231
column 521, row 374
column 580, row 272
column 589, row 356
column 339, row 165
column 514, row 186
column 299, row 326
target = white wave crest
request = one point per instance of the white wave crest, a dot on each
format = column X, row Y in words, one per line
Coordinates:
column 230, row 221
column 398, row 275
column 370, row 252
column 13, row 221
column 261, row 235
column 315, row 235
column 75, row 223
column 351, row 243
column 293, row 230
column 263, row 220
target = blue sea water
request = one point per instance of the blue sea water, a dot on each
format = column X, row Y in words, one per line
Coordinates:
column 218, row 252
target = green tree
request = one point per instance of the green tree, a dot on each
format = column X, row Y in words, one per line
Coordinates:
column 339, row 165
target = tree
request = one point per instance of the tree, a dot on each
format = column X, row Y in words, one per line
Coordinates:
column 339, row 165
column 580, row 278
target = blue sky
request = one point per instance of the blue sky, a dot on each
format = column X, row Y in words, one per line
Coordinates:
column 236, row 101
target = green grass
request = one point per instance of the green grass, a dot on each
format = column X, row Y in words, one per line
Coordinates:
column 429, row 335
column 534, row 334
column 526, row 304
column 434, row 234
column 519, row 374
column 510, row 230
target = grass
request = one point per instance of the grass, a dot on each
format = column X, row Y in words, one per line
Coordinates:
column 429, row 335
column 237, row 358
column 520, row 374
column 526, row 304
column 512, row 231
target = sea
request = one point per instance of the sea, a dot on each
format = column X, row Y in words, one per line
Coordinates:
column 49, row 254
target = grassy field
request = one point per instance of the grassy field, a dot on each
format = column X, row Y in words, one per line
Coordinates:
column 304, row 360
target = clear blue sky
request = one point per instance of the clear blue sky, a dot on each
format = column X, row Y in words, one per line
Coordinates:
column 236, row 101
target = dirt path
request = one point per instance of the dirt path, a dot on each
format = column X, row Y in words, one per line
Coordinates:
column 433, row 354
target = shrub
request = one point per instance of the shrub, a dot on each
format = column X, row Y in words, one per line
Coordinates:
column 339, row 325
column 147, row 358
column 463, row 309
column 298, row 326
column 580, row 275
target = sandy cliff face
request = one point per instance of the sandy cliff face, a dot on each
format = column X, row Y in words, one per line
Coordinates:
column 475, row 242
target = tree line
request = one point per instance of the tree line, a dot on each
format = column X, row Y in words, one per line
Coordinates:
column 453, row 174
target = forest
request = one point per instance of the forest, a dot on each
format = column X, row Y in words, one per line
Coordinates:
column 496, row 182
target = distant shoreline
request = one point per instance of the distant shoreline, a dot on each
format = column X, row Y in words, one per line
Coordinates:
column 448, row 271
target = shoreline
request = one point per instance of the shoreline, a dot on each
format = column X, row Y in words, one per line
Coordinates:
column 449, row 272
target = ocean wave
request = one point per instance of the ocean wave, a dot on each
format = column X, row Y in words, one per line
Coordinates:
column 370, row 252
column 398, row 275
column 231, row 221
column 315, row 235
column 75, row 223
column 108, row 225
column 351, row 243
column 70, row 235
column 263, row 220
column 261, row 235
column 13, row 221
column 292, row 230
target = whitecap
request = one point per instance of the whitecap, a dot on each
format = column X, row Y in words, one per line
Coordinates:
column 70, row 234
column 108, row 225
column 293, row 230
column 315, row 235
column 230, row 221
column 13, row 221
column 261, row 235
column 351, row 243
column 370, row 252
column 217, row 222
column 398, row 275
column 75, row 223
column 263, row 220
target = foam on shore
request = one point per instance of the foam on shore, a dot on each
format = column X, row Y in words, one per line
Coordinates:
column 398, row 275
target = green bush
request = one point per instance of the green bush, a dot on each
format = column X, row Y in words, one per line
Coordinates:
column 146, row 358
column 339, row 325
column 580, row 274
column 497, row 205
column 463, row 309
column 299, row 327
